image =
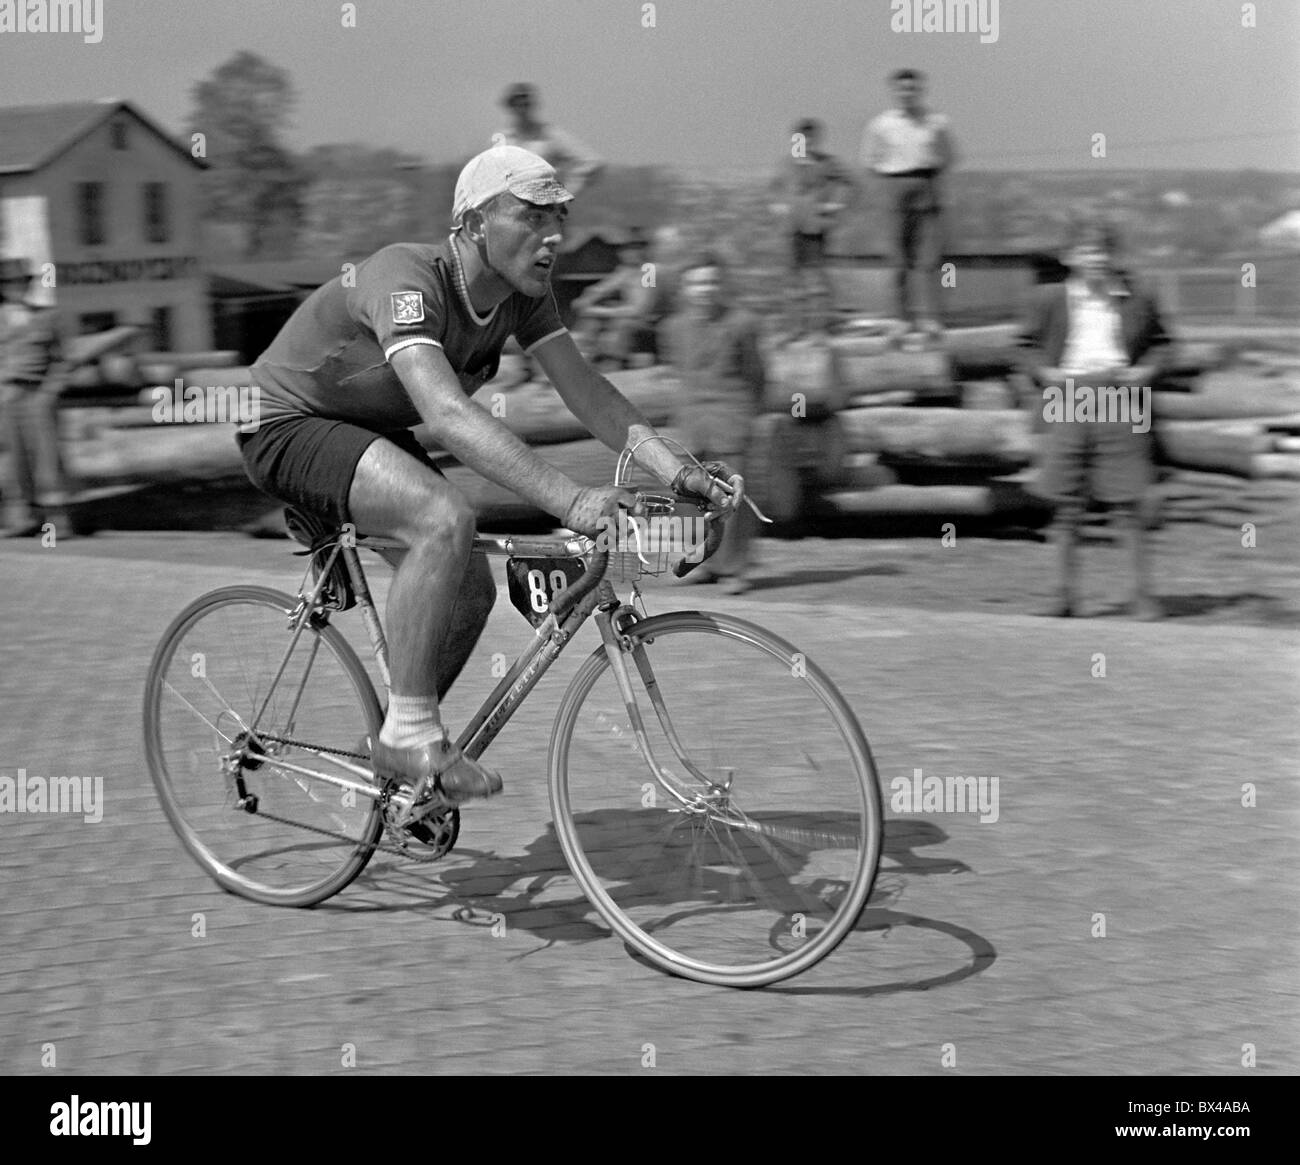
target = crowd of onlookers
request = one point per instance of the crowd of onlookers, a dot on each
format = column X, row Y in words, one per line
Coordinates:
column 1098, row 324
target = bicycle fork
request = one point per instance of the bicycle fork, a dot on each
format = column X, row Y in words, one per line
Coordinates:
column 619, row 646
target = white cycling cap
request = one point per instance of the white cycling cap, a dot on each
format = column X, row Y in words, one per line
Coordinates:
column 506, row 168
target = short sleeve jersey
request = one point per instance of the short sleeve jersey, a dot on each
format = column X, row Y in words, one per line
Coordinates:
column 331, row 358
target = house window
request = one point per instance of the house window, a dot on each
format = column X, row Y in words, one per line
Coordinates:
column 117, row 132
column 96, row 321
column 157, row 228
column 161, row 324
column 90, row 213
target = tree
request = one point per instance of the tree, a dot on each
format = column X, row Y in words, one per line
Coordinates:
column 360, row 198
column 254, row 180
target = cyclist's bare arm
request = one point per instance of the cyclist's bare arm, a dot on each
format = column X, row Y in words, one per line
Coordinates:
column 608, row 415
column 474, row 436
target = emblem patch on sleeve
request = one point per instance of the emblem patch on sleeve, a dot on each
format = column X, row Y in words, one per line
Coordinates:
column 408, row 307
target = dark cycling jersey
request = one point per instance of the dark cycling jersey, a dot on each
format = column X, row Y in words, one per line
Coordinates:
column 331, row 357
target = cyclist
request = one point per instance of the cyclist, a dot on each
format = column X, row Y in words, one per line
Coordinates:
column 406, row 338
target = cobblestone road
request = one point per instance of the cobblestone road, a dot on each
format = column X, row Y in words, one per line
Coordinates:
column 1119, row 796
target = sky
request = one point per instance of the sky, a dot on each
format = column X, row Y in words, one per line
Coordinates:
column 715, row 84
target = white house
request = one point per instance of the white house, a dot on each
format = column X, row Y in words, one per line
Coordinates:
column 105, row 206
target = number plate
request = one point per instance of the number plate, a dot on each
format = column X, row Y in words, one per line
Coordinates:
column 534, row 583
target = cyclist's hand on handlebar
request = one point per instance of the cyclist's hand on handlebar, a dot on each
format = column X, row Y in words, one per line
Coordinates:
column 722, row 487
column 591, row 508
column 716, row 482
column 712, row 540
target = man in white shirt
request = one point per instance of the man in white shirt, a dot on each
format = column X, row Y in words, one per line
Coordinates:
column 1097, row 339
column 575, row 163
column 909, row 148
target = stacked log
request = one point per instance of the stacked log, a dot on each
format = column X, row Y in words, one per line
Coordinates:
column 1000, row 439
column 155, row 454
column 1230, row 394
column 878, row 456
column 868, row 371
column 535, row 413
column 1212, row 446
column 1238, row 422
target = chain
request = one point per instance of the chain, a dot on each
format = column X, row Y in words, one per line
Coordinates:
column 313, row 747
column 400, row 851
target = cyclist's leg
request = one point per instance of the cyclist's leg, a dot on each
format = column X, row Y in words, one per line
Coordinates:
column 473, row 602
column 469, row 615
column 394, row 495
column 436, row 609
column 383, row 485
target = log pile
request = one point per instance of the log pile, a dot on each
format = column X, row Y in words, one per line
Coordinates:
column 933, row 434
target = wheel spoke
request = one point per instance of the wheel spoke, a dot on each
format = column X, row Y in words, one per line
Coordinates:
column 765, row 868
column 304, row 837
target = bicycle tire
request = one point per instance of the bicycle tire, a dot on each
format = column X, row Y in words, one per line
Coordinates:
column 619, row 891
column 367, row 820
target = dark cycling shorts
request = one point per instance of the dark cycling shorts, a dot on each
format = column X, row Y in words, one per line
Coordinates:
column 309, row 462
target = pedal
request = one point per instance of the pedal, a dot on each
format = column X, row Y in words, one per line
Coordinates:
column 415, row 804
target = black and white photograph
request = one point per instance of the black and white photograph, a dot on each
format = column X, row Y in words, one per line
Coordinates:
column 679, row 538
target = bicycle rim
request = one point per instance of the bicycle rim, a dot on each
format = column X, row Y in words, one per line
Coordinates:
column 769, row 863
column 213, row 673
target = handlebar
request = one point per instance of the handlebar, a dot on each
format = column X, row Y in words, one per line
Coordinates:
column 648, row 503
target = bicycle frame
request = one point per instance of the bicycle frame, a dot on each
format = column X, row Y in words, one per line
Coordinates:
column 595, row 595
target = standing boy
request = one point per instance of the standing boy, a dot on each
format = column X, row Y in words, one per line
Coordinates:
column 910, row 148
column 1095, row 345
column 712, row 344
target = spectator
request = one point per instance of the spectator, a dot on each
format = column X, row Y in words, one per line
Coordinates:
column 1097, row 329
column 910, row 148
column 36, row 486
column 575, row 163
column 712, row 344
column 617, row 315
column 808, row 192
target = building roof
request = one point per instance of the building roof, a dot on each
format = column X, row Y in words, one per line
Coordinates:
column 33, row 136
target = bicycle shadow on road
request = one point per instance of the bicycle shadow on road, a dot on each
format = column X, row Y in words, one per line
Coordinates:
column 534, row 893
column 902, row 837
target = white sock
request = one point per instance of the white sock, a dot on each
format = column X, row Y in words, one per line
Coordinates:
column 412, row 721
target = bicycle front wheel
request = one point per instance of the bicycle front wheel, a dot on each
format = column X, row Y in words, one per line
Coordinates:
column 735, row 838
column 225, row 687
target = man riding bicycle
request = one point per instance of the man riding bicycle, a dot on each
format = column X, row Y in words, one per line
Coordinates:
column 407, row 338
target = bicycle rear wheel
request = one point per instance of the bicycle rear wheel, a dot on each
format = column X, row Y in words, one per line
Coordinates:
column 215, row 691
column 754, row 856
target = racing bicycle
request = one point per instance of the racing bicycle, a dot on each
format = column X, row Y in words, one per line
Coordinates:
column 711, row 789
